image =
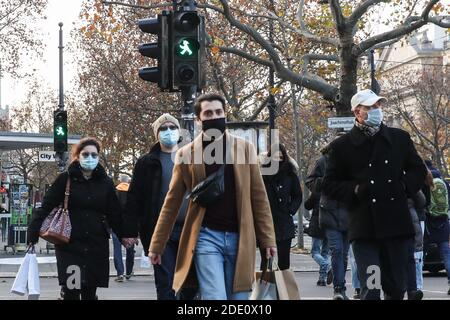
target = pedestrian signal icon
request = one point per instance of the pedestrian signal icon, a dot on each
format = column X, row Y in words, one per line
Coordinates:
column 187, row 47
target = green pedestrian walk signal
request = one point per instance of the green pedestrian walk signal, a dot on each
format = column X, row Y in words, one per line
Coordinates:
column 60, row 131
column 187, row 47
column 187, row 39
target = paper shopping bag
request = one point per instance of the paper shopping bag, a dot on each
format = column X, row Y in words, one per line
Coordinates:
column 265, row 287
column 20, row 285
column 286, row 285
column 34, row 289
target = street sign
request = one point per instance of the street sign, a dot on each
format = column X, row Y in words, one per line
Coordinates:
column 47, row 156
column 341, row 122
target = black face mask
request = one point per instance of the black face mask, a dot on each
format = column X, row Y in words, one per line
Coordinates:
column 218, row 124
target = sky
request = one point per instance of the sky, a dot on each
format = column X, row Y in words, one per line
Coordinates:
column 66, row 11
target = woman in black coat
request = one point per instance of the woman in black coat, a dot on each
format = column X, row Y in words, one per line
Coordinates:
column 285, row 196
column 93, row 208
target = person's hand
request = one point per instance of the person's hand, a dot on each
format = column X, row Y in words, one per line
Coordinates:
column 271, row 252
column 154, row 258
column 129, row 242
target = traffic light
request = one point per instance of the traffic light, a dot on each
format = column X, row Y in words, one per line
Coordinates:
column 60, row 131
column 157, row 50
column 187, row 38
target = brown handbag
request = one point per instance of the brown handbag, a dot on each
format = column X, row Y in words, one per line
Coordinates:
column 57, row 228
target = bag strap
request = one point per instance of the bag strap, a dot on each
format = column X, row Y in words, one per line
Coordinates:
column 66, row 194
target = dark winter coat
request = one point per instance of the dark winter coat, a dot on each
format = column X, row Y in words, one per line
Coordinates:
column 330, row 213
column 385, row 168
column 93, row 208
column 285, row 196
column 142, row 210
column 437, row 229
column 314, row 182
column 416, row 205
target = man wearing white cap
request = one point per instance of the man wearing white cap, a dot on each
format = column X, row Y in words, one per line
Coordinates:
column 373, row 169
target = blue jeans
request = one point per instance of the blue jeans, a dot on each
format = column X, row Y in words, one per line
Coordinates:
column 354, row 267
column 165, row 271
column 418, row 257
column 339, row 245
column 319, row 252
column 444, row 251
column 118, row 260
column 215, row 263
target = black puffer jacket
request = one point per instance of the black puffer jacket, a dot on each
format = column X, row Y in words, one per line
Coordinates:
column 285, row 196
column 93, row 208
column 416, row 205
column 329, row 213
column 313, row 182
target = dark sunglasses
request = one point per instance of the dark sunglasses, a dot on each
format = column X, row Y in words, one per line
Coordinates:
column 171, row 127
column 92, row 154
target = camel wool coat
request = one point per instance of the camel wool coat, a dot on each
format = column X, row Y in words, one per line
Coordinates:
column 254, row 215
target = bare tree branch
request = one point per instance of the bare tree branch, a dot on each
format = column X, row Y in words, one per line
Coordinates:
column 246, row 55
column 304, row 30
column 361, row 9
column 440, row 21
column 411, row 24
column 309, row 81
column 338, row 17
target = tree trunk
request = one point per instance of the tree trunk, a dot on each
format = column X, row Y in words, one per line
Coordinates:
column 348, row 78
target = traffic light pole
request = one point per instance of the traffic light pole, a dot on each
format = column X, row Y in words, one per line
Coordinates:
column 61, row 157
column 271, row 104
column 188, row 95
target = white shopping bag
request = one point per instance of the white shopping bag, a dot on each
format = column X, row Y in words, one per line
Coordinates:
column 145, row 261
column 34, row 289
column 20, row 285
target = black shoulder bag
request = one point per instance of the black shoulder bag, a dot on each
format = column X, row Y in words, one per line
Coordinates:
column 209, row 190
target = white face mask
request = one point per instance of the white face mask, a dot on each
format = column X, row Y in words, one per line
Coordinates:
column 88, row 163
column 374, row 117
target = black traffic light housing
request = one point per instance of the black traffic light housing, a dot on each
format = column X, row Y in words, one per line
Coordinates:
column 187, row 39
column 60, row 131
column 157, row 50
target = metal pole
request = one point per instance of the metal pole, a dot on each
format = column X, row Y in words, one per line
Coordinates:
column 61, row 158
column 299, row 152
column 61, row 83
column 188, row 95
column 271, row 104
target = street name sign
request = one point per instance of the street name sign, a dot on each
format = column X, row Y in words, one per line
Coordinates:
column 47, row 156
column 341, row 122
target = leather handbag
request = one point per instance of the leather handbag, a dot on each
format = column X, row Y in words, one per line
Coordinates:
column 57, row 228
column 209, row 190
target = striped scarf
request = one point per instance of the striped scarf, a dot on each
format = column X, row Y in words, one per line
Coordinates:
column 367, row 130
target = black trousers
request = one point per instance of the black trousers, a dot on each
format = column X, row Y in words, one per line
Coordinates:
column 283, row 253
column 382, row 264
column 86, row 293
column 412, row 284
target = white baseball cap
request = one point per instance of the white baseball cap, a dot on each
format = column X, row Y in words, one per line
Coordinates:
column 365, row 97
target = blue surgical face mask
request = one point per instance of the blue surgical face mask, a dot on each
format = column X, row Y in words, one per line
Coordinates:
column 374, row 117
column 88, row 163
column 169, row 138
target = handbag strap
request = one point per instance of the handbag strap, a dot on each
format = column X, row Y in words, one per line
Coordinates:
column 66, row 194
